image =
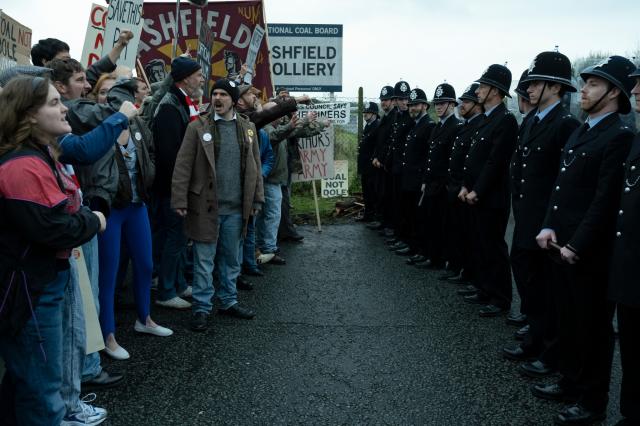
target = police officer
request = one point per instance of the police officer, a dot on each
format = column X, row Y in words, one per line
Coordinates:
column 580, row 220
column 383, row 134
column 623, row 278
column 434, row 179
column 486, row 189
column 401, row 126
column 458, row 227
column 365, row 159
column 533, row 173
column 414, row 158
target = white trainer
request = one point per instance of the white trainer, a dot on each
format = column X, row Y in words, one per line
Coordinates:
column 265, row 258
column 175, row 303
column 119, row 354
column 156, row 331
column 86, row 414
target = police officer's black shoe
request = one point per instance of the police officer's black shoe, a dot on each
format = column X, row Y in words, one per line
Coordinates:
column 490, row 311
column 516, row 354
column 516, row 318
column 467, row 291
column 554, row 392
column 576, row 414
column 404, row 252
column 416, row 258
column 476, row 299
column 449, row 275
column 521, row 333
column 535, row 369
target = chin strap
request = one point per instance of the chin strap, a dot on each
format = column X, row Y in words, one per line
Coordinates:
column 599, row 100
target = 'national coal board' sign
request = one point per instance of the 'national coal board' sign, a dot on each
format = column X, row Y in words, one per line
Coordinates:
column 306, row 57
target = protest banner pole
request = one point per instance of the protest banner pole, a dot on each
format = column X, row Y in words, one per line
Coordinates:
column 177, row 31
column 315, row 201
column 142, row 71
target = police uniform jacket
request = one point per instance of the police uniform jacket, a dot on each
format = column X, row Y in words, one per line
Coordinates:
column 486, row 168
column 414, row 153
column 534, row 168
column 383, row 135
column 440, row 144
column 584, row 200
column 459, row 151
column 624, row 285
column 399, row 132
column 367, row 146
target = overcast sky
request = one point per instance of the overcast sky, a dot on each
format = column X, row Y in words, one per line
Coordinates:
column 424, row 42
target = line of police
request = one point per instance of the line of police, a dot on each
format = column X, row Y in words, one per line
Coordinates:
column 443, row 193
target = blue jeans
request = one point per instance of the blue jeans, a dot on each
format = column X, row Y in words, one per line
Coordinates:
column 269, row 219
column 73, row 341
column 248, row 247
column 33, row 360
column 224, row 255
column 92, row 367
column 171, row 244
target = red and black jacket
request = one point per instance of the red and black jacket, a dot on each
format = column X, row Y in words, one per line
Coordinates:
column 40, row 221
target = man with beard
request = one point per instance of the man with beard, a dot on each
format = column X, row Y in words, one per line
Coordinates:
column 579, row 225
column 414, row 158
column 434, row 180
column 365, row 157
column 486, row 190
column 176, row 109
column 458, row 223
column 382, row 208
column 533, row 172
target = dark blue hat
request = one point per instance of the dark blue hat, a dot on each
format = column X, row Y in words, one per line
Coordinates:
column 417, row 96
column 497, row 76
column 401, row 90
column 553, row 67
column 523, row 84
column 228, row 86
column 470, row 93
column 445, row 93
column 371, row 107
column 386, row 93
column 615, row 69
column 182, row 68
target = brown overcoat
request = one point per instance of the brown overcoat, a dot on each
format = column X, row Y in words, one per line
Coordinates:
column 194, row 186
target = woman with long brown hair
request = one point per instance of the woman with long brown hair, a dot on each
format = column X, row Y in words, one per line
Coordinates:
column 41, row 220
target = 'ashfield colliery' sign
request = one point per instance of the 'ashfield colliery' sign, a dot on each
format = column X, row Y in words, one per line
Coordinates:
column 306, row 57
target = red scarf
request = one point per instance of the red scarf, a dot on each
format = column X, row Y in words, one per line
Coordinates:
column 194, row 113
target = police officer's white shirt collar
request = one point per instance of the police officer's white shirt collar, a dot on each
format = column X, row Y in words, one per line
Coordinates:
column 593, row 121
column 542, row 114
column 490, row 110
column 424, row 114
column 442, row 120
column 217, row 117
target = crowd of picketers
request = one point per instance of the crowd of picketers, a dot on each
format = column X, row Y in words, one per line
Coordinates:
column 442, row 193
column 195, row 199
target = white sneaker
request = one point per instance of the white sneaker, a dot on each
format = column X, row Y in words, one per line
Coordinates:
column 265, row 258
column 156, row 331
column 175, row 303
column 119, row 354
column 188, row 292
column 86, row 414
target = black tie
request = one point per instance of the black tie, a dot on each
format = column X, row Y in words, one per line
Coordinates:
column 584, row 129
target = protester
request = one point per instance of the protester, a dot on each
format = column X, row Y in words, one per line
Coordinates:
column 43, row 220
column 219, row 153
column 101, row 88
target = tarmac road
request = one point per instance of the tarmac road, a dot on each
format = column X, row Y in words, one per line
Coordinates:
column 345, row 333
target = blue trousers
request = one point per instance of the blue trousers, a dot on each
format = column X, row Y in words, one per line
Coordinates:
column 132, row 223
column 171, row 243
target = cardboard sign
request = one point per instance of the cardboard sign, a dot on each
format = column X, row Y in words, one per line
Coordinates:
column 233, row 24
column 338, row 185
column 252, row 54
column 94, row 39
column 336, row 112
column 123, row 15
column 316, row 155
column 306, row 57
column 15, row 42
column 205, row 44
column 93, row 331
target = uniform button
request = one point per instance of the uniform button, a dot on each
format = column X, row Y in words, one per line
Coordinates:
column 633, row 168
column 464, row 168
column 428, row 169
column 429, row 160
column 557, row 188
column 618, row 234
column 526, row 148
column 448, row 170
column 521, row 180
column 621, row 212
column 570, row 151
column 466, row 156
column 555, row 207
column 627, row 189
column 584, row 154
column 563, row 170
column 521, row 195
column 449, row 158
column 524, row 165
column 403, row 163
column 539, row 148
